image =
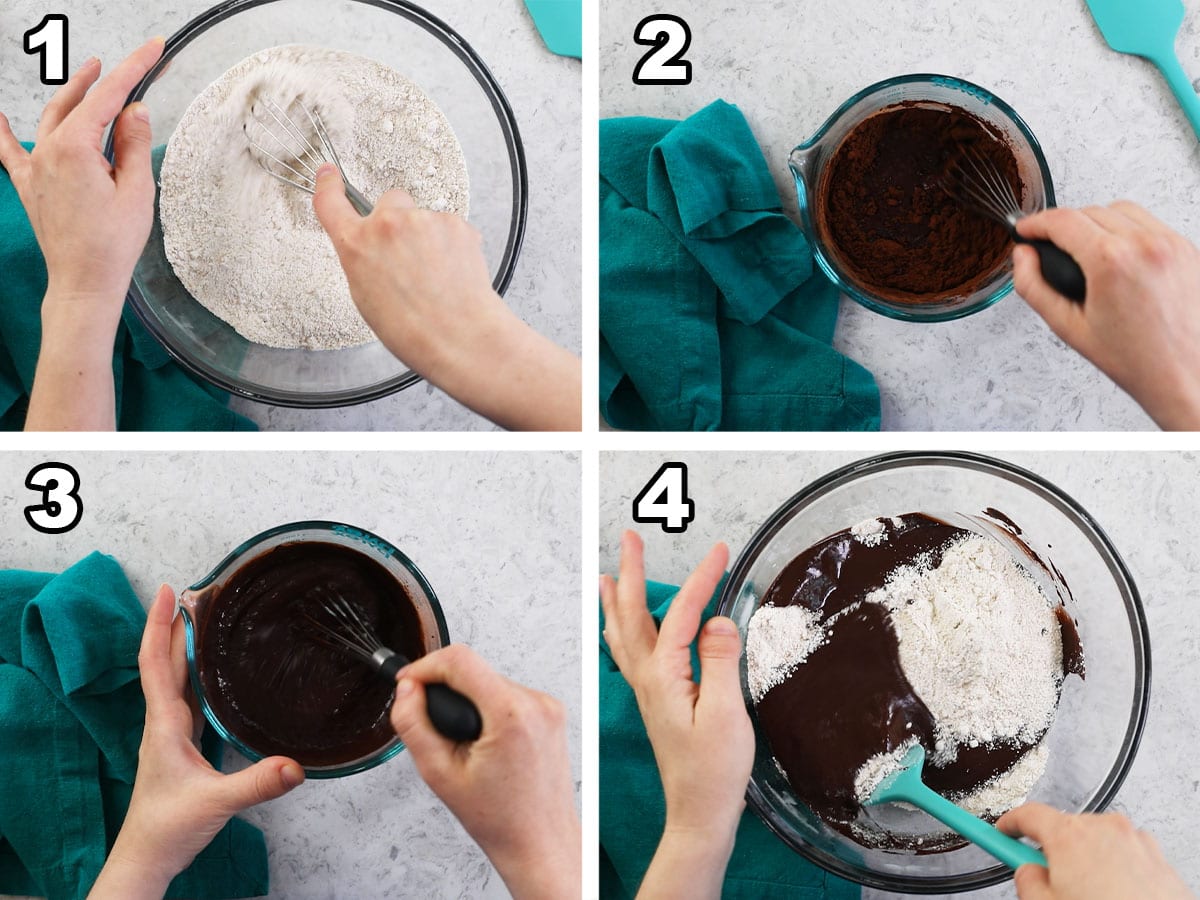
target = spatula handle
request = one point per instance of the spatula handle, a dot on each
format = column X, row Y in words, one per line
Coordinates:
column 1058, row 268
column 1172, row 70
column 453, row 714
column 1008, row 850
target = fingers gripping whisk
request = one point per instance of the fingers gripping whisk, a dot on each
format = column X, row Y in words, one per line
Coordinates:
column 292, row 147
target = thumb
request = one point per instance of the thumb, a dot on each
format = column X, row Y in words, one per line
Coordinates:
column 412, row 725
column 131, row 149
column 1033, row 882
column 720, row 648
column 267, row 779
column 1066, row 319
column 333, row 210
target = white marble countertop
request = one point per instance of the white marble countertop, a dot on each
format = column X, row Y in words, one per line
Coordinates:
column 1146, row 502
column 497, row 535
column 1108, row 124
column 543, row 89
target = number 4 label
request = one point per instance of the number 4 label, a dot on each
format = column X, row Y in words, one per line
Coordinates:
column 664, row 500
column 670, row 37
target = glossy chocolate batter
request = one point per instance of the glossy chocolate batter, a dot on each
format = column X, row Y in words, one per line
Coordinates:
column 895, row 227
column 850, row 699
column 268, row 677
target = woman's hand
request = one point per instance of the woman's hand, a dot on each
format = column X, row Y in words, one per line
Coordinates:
column 91, row 220
column 1140, row 323
column 179, row 801
column 1092, row 857
column 701, row 734
column 511, row 789
column 420, row 281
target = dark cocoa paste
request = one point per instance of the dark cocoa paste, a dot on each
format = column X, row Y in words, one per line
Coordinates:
column 270, row 677
column 893, row 226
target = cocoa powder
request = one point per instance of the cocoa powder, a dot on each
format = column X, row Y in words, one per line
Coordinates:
column 894, row 227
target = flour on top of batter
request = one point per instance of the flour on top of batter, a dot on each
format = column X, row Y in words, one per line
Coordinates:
column 249, row 248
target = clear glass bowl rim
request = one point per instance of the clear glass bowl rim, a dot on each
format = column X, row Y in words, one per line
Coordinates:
column 246, row 547
column 1065, row 504
column 516, row 234
column 832, row 271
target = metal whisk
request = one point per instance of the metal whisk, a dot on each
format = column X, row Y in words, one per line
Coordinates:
column 337, row 624
column 296, row 151
column 975, row 183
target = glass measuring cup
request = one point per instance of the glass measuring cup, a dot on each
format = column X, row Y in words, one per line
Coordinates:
column 197, row 606
column 810, row 160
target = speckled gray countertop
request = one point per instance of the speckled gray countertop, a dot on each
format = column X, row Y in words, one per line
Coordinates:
column 1146, row 502
column 1108, row 125
column 543, row 89
column 497, row 535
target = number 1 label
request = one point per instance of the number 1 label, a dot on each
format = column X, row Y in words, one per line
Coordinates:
column 49, row 38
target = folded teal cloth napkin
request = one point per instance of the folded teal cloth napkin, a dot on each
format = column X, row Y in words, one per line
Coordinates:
column 633, row 811
column 153, row 393
column 71, row 716
column 712, row 316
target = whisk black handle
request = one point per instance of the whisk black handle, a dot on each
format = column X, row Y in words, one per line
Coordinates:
column 453, row 714
column 1058, row 268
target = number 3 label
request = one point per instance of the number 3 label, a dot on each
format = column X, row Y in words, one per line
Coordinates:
column 61, row 507
column 670, row 37
column 664, row 500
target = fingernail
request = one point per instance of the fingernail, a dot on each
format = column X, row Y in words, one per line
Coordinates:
column 404, row 687
column 90, row 61
column 326, row 169
column 157, row 39
column 140, row 111
column 293, row 775
column 721, row 625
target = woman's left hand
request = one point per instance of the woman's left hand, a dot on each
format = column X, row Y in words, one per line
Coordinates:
column 179, row 801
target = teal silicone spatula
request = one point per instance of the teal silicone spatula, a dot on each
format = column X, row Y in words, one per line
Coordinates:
column 1148, row 28
column 560, row 23
column 906, row 784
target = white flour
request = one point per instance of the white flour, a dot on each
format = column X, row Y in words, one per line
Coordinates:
column 871, row 532
column 978, row 641
column 249, row 248
column 778, row 640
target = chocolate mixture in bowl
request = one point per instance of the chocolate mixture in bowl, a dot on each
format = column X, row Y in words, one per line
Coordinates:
column 268, row 677
column 901, row 630
column 894, row 228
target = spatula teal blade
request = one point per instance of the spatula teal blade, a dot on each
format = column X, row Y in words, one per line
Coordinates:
column 560, row 23
column 906, row 785
column 1148, row 28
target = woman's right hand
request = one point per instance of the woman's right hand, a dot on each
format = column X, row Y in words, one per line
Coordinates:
column 1092, row 857
column 1140, row 324
column 511, row 789
column 420, row 280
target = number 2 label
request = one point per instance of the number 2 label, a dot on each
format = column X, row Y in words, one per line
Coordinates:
column 49, row 38
column 664, row 500
column 670, row 36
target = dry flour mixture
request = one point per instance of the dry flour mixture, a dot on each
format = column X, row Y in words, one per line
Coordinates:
column 249, row 248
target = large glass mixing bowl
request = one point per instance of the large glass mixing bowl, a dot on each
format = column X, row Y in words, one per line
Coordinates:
column 197, row 606
column 398, row 34
column 1100, row 719
column 810, row 161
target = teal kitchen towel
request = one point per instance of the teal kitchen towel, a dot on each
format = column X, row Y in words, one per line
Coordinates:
column 633, row 811
column 71, row 717
column 712, row 316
